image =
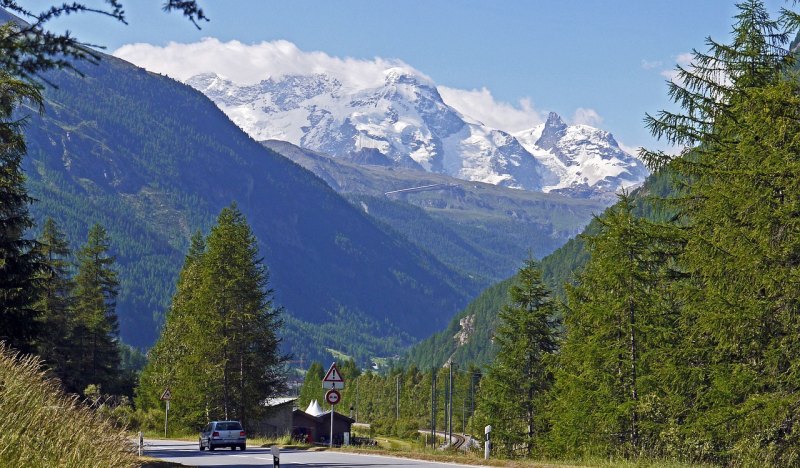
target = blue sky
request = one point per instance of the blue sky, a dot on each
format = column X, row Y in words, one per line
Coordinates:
column 606, row 60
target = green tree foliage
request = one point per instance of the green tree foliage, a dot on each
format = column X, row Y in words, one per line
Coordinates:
column 96, row 329
column 312, row 385
column 55, row 304
column 720, row 315
column 218, row 351
column 620, row 333
column 512, row 392
column 180, row 358
column 19, row 260
column 28, row 49
column 246, row 321
column 739, row 209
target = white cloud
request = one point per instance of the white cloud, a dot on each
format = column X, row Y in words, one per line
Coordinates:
column 684, row 60
column 585, row 116
column 480, row 105
column 250, row 63
column 651, row 64
column 632, row 150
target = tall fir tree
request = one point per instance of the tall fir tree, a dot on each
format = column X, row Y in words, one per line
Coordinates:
column 96, row 329
column 219, row 348
column 55, row 304
column 512, row 393
column 178, row 360
column 621, row 325
column 20, row 262
column 236, row 291
column 739, row 209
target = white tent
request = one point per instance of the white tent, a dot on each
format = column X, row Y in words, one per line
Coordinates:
column 314, row 409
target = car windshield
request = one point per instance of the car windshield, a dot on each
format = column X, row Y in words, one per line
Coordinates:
column 229, row 426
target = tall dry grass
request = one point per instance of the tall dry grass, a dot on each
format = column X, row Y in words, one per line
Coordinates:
column 41, row 426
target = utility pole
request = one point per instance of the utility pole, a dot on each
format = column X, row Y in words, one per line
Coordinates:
column 357, row 399
column 433, row 407
column 472, row 395
column 450, row 407
column 397, row 398
column 463, row 416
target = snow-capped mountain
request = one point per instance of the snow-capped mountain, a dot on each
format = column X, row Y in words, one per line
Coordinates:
column 404, row 118
column 587, row 160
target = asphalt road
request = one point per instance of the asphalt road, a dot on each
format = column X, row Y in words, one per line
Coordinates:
column 187, row 453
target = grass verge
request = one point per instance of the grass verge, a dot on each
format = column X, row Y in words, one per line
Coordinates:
column 44, row 427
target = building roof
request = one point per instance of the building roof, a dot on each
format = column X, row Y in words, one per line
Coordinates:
column 277, row 401
column 324, row 416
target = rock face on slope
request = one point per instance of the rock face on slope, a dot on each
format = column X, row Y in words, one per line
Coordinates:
column 404, row 118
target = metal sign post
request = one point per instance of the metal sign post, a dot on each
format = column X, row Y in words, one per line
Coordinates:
column 166, row 396
column 333, row 380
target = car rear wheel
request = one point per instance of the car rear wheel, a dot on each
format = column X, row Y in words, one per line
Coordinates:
column 210, row 446
column 243, row 447
column 201, row 446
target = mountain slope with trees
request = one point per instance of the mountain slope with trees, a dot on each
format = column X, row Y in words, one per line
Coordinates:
column 468, row 336
column 153, row 160
column 477, row 228
column 680, row 331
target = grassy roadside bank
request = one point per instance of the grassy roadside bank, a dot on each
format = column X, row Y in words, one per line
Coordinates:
column 49, row 428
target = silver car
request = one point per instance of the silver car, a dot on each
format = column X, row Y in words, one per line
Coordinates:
column 223, row 434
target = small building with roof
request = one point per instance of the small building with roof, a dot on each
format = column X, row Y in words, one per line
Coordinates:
column 316, row 428
column 278, row 418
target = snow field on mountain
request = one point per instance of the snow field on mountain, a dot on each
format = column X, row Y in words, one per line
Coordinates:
column 404, row 118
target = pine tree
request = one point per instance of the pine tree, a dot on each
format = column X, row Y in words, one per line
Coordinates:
column 20, row 263
column 739, row 209
column 621, row 326
column 219, row 349
column 179, row 359
column 714, row 81
column 236, row 291
column 96, row 330
column 512, row 392
column 55, row 304
column 312, row 385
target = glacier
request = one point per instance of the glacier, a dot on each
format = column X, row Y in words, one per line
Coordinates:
column 402, row 118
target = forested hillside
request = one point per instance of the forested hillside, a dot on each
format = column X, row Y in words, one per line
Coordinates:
column 480, row 229
column 154, row 161
column 468, row 336
column 678, row 335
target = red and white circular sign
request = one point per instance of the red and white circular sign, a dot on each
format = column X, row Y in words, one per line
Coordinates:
column 333, row 396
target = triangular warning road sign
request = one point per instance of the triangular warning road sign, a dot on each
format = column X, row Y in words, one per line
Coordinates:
column 333, row 375
column 167, row 395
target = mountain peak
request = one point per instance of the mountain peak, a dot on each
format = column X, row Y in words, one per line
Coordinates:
column 554, row 130
column 554, row 120
column 400, row 75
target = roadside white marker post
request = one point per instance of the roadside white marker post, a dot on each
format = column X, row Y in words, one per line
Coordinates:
column 488, row 444
column 141, row 443
column 333, row 380
column 276, row 456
